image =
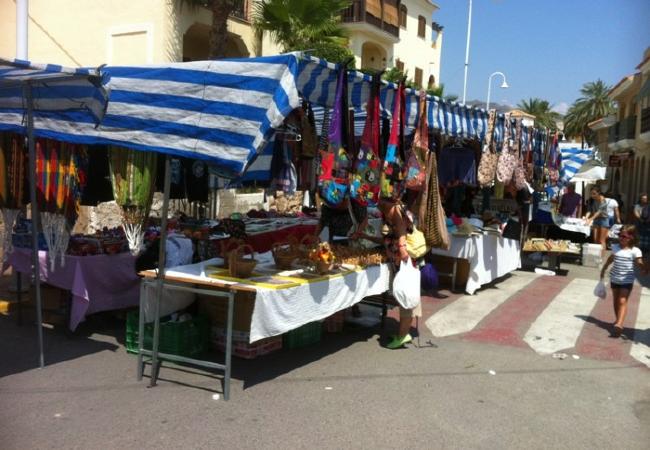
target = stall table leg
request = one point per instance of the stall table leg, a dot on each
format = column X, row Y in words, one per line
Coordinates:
column 19, row 297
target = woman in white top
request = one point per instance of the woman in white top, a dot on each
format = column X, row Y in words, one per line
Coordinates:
column 624, row 256
column 613, row 210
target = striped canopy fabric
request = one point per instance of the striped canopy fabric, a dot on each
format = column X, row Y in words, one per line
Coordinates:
column 221, row 111
column 572, row 161
column 55, row 90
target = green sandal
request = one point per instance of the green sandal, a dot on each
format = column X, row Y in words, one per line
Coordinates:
column 399, row 342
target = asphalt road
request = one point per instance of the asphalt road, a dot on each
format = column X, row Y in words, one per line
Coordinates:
column 347, row 392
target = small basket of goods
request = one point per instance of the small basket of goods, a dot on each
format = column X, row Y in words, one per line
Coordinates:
column 307, row 244
column 239, row 265
column 322, row 257
column 228, row 246
column 285, row 253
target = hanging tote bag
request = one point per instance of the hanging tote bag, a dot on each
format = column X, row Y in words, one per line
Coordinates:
column 416, row 175
column 335, row 161
column 487, row 167
column 364, row 182
column 431, row 215
column 519, row 175
column 393, row 171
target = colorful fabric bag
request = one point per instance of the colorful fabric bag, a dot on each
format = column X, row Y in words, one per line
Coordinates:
column 364, row 182
column 487, row 167
column 393, row 173
column 416, row 175
column 336, row 163
column 507, row 159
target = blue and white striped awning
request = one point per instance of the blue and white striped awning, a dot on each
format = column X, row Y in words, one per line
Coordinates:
column 54, row 89
column 572, row 161
column 222, row 111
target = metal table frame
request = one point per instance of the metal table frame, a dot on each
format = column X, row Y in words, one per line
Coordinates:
column 156, row 357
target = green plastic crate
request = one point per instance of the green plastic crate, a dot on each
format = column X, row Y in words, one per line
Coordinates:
column 187, row 338
column 305, row 335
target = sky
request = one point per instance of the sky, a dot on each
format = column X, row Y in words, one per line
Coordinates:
column 546, row 48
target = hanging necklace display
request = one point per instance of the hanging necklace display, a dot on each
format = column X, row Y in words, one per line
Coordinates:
column 58, row 192
column 364, row 181
column 12, row 176
column 133, row 176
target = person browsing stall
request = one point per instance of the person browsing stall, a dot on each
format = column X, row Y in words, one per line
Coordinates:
column 598, row 219
column 571, row 202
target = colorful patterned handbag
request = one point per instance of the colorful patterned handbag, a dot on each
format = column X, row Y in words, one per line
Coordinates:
column 335, row 161
column 507, row 159
column 416, row 175
column 487, row 167
column 393, row 172
column 364, row 182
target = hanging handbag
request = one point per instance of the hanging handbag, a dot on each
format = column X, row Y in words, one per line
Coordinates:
column 507, row 159
column 393, row 172
column 416, row 175
column 309, row 139
column 519, row 175
column 364, row 182
column 335, row 161
column 487, row 167
column 431, row 215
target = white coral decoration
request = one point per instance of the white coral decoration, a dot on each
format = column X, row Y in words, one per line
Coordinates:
column 134, row 236
column 57, row 237
column 9, row 217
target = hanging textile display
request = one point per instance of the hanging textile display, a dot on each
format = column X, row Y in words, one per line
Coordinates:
column 519, row 175
column 553, row 162
column 364, row 182
column 487, row 167
column 335, row 161
column 12, row 186
column 416, row 175
column 507, row 159
column 431, row 215
column 133, row 175
column 283, row 172
column 309, row 139
column 393, row 172
column 59, row 182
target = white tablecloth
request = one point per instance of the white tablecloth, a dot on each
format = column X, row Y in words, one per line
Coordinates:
column 280, row 310
column 490, row 257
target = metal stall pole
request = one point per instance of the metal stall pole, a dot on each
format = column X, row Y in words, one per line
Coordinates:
column 161, row 274
column 143, row 299
column 226, row 384
column 32, row 197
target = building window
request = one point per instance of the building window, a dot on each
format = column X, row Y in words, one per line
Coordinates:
column 418, row 77
column 400, row 65
column 403, row 12
column 422, row 26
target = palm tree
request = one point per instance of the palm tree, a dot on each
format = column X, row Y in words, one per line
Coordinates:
column 221, row 10
column 593, row 104
column 543, row 112
column 301, row 24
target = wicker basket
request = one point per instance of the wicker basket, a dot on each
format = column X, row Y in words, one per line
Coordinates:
column 240, row 267
column 284, row 254
column 227, row 246
column 323, row 267
column 307, row 244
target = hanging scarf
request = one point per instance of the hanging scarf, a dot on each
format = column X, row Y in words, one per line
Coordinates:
column 393, row 172
column 335, row 162
column 364, row 182
column 133, row 176
column 283, row 172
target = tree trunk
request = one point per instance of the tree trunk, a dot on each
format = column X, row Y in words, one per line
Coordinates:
column 221, row 9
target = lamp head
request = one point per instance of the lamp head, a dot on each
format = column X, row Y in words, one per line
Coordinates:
column 504, row 85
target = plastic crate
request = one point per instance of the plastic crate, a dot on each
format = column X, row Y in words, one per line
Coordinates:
column 335, row 322
column 187, row 338
column 305, row 335
column 241, row 348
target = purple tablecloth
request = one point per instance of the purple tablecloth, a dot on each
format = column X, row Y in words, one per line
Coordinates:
column 98, row 283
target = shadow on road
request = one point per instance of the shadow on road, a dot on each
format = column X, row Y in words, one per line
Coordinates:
column 635, row 335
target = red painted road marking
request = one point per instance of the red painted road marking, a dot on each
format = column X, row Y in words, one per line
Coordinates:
column 594, row 340
column 508, row 324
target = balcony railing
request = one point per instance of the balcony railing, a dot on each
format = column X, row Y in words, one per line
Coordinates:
column 241, row 10
column 645, row 120
column 357, row 12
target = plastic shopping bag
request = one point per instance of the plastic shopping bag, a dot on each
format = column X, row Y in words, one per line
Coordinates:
column 406, row 286
column 600, row 290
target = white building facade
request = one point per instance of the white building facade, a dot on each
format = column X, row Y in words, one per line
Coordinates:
column 394, row 33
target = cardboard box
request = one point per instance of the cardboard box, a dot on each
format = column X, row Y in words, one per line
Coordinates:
column 216, row 309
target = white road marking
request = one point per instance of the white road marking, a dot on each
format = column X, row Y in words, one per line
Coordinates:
column 465, row 313
column 557, row 327
column 641, row 345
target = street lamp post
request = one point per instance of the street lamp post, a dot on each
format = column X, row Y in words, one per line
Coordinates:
column 504, row 85
column 469, row 32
